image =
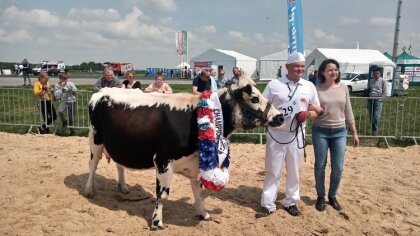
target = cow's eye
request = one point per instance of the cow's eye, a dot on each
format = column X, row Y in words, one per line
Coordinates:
column 255, row 100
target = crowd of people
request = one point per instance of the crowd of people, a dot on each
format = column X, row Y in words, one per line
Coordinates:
column 322, row 99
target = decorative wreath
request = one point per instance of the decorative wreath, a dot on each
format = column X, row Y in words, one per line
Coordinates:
column 214, row 175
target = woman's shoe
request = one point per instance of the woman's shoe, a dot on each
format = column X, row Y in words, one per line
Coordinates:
column 320, row 204
column 334, row 203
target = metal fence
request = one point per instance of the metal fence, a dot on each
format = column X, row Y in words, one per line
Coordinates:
column 399, row 118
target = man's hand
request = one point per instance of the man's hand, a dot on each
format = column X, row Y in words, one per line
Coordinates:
column 302, row 116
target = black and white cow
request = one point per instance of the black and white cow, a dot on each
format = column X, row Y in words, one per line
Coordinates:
column 140, row 131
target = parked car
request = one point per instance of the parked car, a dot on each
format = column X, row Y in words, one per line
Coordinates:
column 356, row 82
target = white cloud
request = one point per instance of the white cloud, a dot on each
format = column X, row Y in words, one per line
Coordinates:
column 259, row 37
column 155, row 5
column 382, row 22
column 35, row 17
column 13, row 37
column 350, row 20
column 239, row 37
column 328, row 38
column 207, row 29
column 166, row 21
column 43, row 41
column 94, row 14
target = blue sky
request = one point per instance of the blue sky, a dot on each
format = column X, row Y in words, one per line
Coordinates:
column 142, row 31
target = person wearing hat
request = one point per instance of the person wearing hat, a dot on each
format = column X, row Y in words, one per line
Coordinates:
column 292, row 96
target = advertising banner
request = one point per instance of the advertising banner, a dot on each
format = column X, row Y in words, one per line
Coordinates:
column 181, row 42
column 295, row 28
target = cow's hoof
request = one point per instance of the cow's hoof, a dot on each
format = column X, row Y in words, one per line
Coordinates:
column 157, row 225
column 123, row 189
column 89, row 193
column 205, row 217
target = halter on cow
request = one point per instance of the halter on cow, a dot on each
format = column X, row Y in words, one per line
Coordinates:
column 169, row 140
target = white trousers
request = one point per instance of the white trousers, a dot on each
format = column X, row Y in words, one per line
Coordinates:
column 275, row 155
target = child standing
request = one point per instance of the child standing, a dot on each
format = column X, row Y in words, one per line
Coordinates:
column 42, row 91
column 66, row 92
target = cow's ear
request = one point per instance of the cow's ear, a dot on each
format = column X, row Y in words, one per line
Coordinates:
column 247, row 92
column 243, row 93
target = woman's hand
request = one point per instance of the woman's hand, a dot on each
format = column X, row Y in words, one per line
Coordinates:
column 355, row 140
column 316, row 108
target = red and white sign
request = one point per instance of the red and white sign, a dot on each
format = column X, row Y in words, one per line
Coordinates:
column 202, row 64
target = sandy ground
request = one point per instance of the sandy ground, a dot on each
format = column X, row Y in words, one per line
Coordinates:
column 42, row 180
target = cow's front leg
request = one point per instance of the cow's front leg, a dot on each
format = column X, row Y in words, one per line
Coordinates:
column 199, row 201
column 164, row 174
column 95, row 156
column 122, row 186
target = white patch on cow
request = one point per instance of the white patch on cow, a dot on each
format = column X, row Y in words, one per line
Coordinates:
column 157, row 216
column 133, row 98
column 187, row 166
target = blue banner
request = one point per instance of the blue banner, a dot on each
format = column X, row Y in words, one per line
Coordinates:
column 294, row 10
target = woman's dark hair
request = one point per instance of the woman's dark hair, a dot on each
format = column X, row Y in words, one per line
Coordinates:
column 321, row 69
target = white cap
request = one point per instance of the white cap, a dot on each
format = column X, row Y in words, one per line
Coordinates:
column 295, row 57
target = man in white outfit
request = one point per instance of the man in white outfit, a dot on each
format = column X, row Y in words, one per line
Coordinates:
column 292, row 96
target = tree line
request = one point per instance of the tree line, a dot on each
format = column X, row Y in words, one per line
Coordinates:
column 84, row 66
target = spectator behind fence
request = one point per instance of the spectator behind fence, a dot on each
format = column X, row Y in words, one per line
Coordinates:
column 159, row 86
column 107, row 80
column 42, row 92
column 313, row 77
column 131, row 82
column 66, row 92
column 329, row 131
column 236, row 74
column 377, row 87
column 25, row 71
column 221, row 79
column 201, row 82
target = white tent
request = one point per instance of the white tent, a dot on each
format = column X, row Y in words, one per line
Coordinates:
column 182, row 65
column 269, row 65
column 217, row 58
column 351, row 60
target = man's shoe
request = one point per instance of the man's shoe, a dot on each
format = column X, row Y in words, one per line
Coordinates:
column 263, row 212
column 334, row 203
column 320, row 204
column 293, row 210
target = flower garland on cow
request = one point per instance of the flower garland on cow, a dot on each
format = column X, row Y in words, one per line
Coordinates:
column 213, row 148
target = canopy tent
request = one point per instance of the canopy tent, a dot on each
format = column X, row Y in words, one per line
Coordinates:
column 350, row 60
column 410, row 66
column 182, row 65
column 269, row 65
column 226, row 59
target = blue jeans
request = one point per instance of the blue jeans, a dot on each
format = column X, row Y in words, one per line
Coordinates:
column 334, row 139
column 375, row 110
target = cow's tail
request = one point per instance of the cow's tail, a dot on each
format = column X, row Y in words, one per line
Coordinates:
column 95, row 122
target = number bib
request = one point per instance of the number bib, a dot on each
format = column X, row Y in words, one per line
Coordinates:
column 289, row 110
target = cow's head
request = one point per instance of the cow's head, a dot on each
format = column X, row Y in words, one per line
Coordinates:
column 251, row 109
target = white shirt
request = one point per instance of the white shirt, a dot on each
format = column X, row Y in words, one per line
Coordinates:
column 289, row 98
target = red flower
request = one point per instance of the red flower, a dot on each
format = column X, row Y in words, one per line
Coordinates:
column 205, row 111
column 205, row 94
column 210, row 185
column 206, row 134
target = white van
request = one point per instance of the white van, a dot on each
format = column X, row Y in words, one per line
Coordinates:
column 51, row 67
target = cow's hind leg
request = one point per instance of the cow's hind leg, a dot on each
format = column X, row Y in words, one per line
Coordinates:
column 199, row 201
column 95, row 156
column 164, row 173
column 122, row 186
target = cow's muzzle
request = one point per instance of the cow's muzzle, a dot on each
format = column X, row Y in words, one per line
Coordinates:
column 277, row 121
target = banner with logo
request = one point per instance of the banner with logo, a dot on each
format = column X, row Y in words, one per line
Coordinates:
column 294, row 10
column 181, row 42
